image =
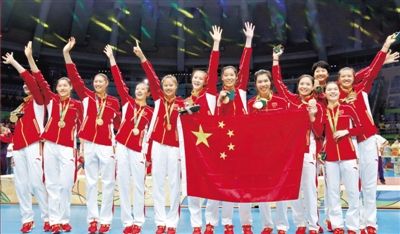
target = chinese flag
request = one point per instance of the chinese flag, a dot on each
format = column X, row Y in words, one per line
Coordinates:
column 253, row 158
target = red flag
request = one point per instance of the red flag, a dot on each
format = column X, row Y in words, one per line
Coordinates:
column 252, row 158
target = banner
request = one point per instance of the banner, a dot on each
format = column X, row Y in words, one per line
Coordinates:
column 253, row 158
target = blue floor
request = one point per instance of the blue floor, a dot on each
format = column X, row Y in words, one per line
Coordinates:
column 388, row 220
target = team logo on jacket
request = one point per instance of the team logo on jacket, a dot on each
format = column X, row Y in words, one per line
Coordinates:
column 341, row 112
column 274, row 104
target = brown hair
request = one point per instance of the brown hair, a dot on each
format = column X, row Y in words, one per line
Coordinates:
column 331, row 82
column 304, row 76
column 170, row 77
column 66, row 79
column 346, row 68
column 227, row 67
column 145, row 84
column 262, row 72
column 104, row 76
column 198, row 70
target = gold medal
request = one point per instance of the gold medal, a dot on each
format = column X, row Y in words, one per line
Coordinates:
column 135, row 131
column 13, row 118
column 168, row 112
column 100, row 110
column 19, row 111
column 99, row 122
column 63, row 113
column 61, row 124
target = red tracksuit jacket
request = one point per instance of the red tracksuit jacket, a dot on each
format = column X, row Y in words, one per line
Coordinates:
column 238, row 105
column 29, row 127
column 362, row 89
column 90, row 131
column 67, row 135
column 158, row 128
column 347, row 119
column 125, row 133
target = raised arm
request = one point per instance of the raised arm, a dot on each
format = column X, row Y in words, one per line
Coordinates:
column 212, row 73
column 244, row 67
column 73, row 74
column 368, row 75
column 122, row 89
column 26, row 76
column 154, row 82
column 281, row 88
column 42, row 83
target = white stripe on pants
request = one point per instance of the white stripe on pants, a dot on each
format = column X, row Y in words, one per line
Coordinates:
column 347, row 172
column 281, row 218
column 305, row 209
column 369, row 174
column 244, row 213
column 194, row 204
column 59, row 169
column 131, row 172
column 28, row 178
column 165, row 160
column 99, row 158
column 326, row 195
column 211, row 213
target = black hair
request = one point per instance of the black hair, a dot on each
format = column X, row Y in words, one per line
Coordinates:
column 321, row 64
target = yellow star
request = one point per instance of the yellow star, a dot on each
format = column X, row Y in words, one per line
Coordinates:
column 221, row 124
column 230, row 133
column 231, row 146
column 201, row 136
column 223, row 155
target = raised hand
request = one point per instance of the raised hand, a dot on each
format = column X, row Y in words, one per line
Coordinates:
column 28, row 50
column 8, row 58
column 277, row 51
column 216, row 33
column 248, row 30
column 70, row 45
column 392, row 57
column 389, row 41
column 108, row 51
column 138, row 52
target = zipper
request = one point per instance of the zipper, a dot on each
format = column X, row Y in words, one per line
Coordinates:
column 36, row 125
column 22, row 131
column 127, row 139
column 163, row 135
column 48, row 124
column 337, row 148
column 58, row 134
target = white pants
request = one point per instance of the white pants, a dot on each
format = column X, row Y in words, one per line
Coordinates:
column 266, row 216
column 59, row 169
column 244, row 213
column 28, row 179
column 347, row 172
column 211, row 213
column 99, row 161
column 131, row 172
column 194, row 204
column 305, row 209
column 165, row 160
column 369, row 174
column 281, row 218
column 326, row 196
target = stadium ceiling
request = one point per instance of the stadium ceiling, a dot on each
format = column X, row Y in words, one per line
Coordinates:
column 174, row 34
